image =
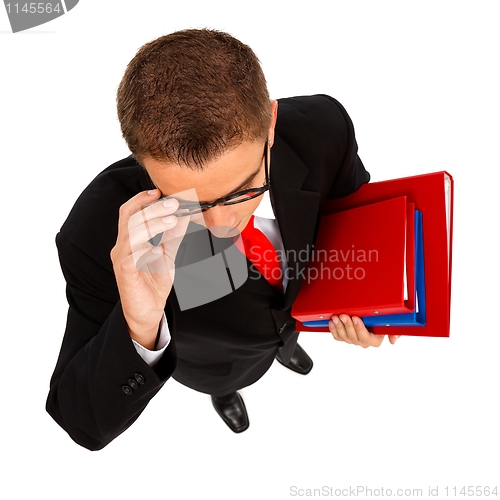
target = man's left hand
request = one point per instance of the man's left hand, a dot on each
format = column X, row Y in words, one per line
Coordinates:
column 353, row 331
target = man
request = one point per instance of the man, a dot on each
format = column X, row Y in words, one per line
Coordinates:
column 196, row 114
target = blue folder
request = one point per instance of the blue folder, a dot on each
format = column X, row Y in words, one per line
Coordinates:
column 415, row 318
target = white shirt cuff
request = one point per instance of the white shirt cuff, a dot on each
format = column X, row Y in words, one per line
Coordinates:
column 152, row 357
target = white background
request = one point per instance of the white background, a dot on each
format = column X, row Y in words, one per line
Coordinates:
column 420, row 81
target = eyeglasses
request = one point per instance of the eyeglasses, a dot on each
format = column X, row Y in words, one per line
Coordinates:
column 192, row 208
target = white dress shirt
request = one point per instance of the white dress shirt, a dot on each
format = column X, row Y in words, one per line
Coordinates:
column 265, row 221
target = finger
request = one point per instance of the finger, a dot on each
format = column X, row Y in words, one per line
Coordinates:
column 171, row 203
column 157, row 263
column 351, row 332
column 151, row 260
column 168, row 246
column 333, row 330
column 339, row 327
column 157, row 210
column 171, row 239
column 175, row 234
column 169, row 230
column 161, row 266
column 142, row 233
column 393, row 338
column 135, row 204
column 366, row 338
column 131, row 249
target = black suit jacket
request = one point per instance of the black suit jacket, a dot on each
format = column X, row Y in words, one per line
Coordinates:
column 100, row 384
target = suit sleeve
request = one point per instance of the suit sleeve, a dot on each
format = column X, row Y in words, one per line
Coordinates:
column 351, row 174
column 100, row 384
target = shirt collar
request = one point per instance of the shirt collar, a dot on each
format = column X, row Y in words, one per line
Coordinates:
column 265, row 209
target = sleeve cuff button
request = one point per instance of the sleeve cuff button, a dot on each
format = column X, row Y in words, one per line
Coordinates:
column 127, row 389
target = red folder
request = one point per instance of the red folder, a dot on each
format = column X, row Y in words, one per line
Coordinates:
column 432, row 194
column 362, row 263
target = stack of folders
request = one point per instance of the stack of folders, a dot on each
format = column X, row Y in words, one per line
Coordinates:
column 383, row 253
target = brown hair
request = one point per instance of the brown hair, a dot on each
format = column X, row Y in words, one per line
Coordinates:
column 189, row 96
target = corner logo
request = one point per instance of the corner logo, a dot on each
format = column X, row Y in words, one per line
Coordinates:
column 26, row 15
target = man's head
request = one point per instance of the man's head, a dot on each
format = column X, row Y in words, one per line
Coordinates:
column 190, row 96
column 195, row 112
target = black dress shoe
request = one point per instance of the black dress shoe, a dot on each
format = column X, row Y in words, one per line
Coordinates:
column 232, row 410
column 300, row 362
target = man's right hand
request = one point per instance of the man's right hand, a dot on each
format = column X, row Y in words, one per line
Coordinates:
column 144, row 273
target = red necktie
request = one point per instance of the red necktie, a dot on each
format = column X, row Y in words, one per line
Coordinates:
column 261, row 253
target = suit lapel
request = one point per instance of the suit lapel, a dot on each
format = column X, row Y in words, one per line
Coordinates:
column 296, row 211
